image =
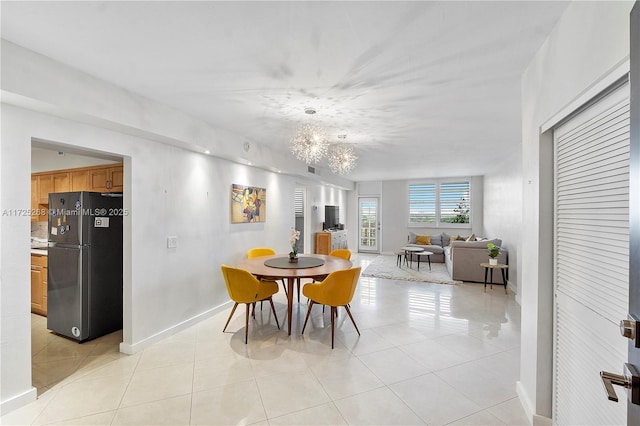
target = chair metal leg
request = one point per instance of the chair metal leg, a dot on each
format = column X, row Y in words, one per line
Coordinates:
column 307, row 317
column 352, row 320
column 230, row 315
column 273, row 308
column 284, row 285
column 253, row 314
column 298, row 282
column 246, row 324
column 333, row 311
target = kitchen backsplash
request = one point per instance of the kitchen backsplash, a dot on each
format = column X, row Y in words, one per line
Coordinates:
column 39, row 230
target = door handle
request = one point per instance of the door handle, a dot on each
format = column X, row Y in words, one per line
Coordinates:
column 630, row 380
column 610, row 379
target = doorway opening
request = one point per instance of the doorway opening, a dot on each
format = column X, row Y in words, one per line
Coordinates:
column 58, row 167
column 368, row 225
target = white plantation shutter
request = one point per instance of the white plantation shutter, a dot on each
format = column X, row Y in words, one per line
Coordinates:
column 299, row 202
column 591, row 259
column 452, row 195
column 422, row 203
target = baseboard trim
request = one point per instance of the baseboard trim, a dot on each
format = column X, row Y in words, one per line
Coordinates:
column 131, row 349
column 514, row 289
column 18, row 401
column 541, row 421
column 525, row 401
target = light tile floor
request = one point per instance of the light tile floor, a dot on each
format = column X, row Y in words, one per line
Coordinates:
column 428, row 354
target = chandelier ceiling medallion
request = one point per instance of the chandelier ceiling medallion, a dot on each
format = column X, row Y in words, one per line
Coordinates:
column 310, row 144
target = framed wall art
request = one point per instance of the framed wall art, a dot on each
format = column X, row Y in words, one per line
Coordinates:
column 248, row 204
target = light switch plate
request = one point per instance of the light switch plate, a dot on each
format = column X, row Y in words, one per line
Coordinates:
column 172, row 242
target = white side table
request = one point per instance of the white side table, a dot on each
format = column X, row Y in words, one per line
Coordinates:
column 408, row 251
column 502, row 269
column 424, row 253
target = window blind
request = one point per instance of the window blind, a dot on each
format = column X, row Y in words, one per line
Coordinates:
column 422, row 203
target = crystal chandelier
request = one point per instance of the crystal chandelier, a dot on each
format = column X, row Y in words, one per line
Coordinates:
column 342, row 159
column 309, row 144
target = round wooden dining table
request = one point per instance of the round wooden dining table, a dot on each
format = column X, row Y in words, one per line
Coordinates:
column 292, row 271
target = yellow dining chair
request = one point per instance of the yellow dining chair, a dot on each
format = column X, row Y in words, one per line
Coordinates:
column 245, row 288
column 264, row 251
column 335, row 290
column 343, row 253
column 260, row 251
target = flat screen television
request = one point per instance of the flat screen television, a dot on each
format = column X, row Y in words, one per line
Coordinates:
column 331, row 217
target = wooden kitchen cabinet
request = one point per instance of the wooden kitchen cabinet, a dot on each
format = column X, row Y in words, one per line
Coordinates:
column 79, row 180
column 117, row 178
column 45, row 186
column 34, row 198
column 39, row 284
column 107, row 179
column 42, row 185
column 60, row 183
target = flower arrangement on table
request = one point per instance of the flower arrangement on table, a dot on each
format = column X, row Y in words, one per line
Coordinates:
column 294, row 237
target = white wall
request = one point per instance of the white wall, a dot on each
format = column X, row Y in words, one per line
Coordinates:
column 168, row 191
column 503, row 211
column 590, row 40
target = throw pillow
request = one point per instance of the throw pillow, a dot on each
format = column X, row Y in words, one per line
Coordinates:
column 446, row 239
column 436, row 240
column 423, row 240
column 472, row 237
column 412, row 238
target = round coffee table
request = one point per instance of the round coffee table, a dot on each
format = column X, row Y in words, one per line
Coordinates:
column 408, row 251
column 424, row 253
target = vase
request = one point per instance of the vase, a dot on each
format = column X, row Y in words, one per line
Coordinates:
column 293, row 259
column 493, row 261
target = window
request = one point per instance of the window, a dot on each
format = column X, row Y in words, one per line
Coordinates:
column 422, row 204
column 435, row 204
column 454, row 202
column 298, row 203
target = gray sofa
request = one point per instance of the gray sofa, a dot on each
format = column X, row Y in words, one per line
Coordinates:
column 438, row 243
column 463, row 259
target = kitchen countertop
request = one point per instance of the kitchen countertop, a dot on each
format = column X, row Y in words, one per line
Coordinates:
column 40, row 251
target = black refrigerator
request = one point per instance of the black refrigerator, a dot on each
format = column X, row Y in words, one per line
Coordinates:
column 84, row 279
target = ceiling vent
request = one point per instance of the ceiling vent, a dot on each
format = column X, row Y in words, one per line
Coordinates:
column 311, row 169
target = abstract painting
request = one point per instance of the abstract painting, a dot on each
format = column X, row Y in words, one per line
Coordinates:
column 248, row 204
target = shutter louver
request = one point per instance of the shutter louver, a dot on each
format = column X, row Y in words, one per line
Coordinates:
column 422, row 204
column 299, row 202
column 454, row 199
column 592, row 258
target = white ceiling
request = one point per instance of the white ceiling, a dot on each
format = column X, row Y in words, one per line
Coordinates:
column 421, row 89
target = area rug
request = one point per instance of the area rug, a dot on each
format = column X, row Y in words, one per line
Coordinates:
column 385, row 266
